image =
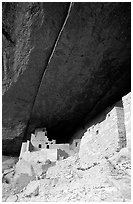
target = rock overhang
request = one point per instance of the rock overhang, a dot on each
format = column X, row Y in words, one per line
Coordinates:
column 89, row 69
column 90, row 62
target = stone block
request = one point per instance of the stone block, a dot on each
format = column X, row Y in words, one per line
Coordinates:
column 8, row 178
column 23, row 167
column 12, row 198
column 32, row 167
column 124, row 154
column 32, row 189
column 21, row 181
column 61, row 154
column 39, row 169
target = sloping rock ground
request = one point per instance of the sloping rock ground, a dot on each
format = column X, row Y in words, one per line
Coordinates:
column 68, row 182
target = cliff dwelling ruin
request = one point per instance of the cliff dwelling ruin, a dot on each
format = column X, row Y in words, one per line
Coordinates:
column 39, row 141
column 66, row 104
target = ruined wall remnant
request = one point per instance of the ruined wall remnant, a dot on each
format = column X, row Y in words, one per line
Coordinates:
column 39, row 140
column 104, row 137
column 41, row 155
column 127, row 116
column 75, row 144
column 122, row 142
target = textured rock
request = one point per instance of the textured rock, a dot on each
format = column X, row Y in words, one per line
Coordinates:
column 32, row 189
column 127, row 113
column 33, row 167
column 33, row 28
column 41, row 156
column 104, row 137
column 20, row 182
column 12, row 198
column 124, row 154
column 89, row 68
column 99, row 183
column 91, row 62
column 8, row 175
column 8, row 162
column 64, row 181
column 23, row 167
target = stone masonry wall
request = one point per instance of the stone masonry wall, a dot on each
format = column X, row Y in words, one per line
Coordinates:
column 121, row 127
column 105, row 136
column 127, row 113
column 59, row 146
column 75, row 144
column 40, row 156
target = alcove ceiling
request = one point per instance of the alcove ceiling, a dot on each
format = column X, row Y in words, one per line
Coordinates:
column 63, row 63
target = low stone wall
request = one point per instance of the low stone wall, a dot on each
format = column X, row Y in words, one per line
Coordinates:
column 59, row 146
column 41, row 156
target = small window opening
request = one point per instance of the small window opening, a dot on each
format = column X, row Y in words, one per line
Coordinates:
column 47, row 146
column 76, row 144
column 97, row 132
column 40, row 146
column 108, row 115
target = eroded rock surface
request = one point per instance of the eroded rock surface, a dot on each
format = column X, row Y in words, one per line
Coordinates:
column 33, row 29
column 68, row 182
column 90, row 65
column 89, row 68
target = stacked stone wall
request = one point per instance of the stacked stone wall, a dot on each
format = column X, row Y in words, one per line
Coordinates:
column 121, row 128
column 104, row 137
column 75, row 145
column 60, row 146
column 127, row 113
column 40, row 156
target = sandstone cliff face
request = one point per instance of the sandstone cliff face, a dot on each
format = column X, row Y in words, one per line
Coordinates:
column 90, row 65
column 29, row 34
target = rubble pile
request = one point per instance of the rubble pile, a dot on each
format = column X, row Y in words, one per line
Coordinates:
column 67, row 181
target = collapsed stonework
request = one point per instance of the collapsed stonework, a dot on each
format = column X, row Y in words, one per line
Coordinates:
column 36, row 156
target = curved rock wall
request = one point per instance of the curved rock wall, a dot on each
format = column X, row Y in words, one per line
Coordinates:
column 90, row 65
column 33, row 28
